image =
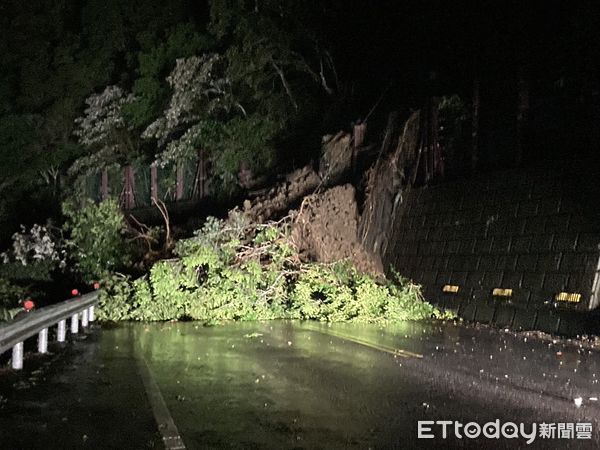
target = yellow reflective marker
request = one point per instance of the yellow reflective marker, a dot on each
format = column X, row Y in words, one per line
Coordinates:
column 501, row 292
column 570, row 297
column 450, row 288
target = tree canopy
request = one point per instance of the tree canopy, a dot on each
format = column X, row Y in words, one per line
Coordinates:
column 241, row 79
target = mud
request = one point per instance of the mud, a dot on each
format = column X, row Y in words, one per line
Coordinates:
column 325, row 221
column 279, row 199
column 326, row 226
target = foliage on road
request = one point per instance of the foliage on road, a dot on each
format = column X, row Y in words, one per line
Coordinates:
column 234, row 270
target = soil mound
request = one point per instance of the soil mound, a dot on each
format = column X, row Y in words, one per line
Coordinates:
column 282, row 197
column 326, row 229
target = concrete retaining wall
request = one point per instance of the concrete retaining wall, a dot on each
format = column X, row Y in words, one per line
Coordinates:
column 534, row 233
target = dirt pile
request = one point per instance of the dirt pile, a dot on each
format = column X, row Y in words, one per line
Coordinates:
column 334, row 164
column 325, row 225
column 325, row 229
column 282, row 197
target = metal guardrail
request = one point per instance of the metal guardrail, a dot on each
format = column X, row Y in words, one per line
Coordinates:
column 14, row 333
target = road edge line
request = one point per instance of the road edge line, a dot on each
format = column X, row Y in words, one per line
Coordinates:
column 166, row 426
column 382, row 348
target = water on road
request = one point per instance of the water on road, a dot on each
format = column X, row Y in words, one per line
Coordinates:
column 297, row 385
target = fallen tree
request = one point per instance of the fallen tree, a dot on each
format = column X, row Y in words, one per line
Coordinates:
column 236, row 269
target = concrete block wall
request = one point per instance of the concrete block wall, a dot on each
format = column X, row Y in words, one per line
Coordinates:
column 535, row 233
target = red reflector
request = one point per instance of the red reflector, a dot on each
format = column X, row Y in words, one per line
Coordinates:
column 28, row 304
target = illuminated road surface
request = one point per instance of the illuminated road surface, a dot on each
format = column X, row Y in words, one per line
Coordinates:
column 296, row 385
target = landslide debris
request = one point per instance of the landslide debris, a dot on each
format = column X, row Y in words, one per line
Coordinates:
column 325, row 229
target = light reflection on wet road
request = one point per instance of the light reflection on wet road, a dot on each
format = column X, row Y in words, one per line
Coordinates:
column 303, row 385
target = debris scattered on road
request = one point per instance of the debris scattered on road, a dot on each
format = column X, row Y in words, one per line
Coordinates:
column 252, row 335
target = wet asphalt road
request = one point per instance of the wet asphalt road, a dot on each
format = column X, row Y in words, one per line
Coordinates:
column 298, row 385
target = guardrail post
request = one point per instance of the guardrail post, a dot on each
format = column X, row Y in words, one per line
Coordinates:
column 17, row 356
column 43, row 341
column 75, row 323
column 61, row 331
column 14, row 333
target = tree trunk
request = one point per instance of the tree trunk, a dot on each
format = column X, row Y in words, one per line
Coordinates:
column 104, row 185
column 360, row 131
column 179, row 184
column 201, row 175
column 129, row 188
column 153, row 183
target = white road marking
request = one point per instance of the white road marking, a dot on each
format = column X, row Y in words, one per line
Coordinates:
column 166, row 425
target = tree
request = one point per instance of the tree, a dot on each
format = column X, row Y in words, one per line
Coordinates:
column 238, row 103
column 53, row 54
column 271, row 47
column 150, row 89
column 104, row 132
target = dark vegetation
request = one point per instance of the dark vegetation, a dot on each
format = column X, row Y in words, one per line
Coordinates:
column 98, row 84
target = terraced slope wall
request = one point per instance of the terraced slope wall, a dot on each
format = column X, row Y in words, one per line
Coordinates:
column 536, row 234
